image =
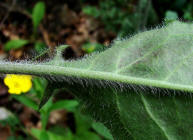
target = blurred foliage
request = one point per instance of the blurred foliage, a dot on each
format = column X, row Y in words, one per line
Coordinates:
column 38, row 14
column 128, row 16
column 15, row 44
column 123, row 16
column 32, row 99
column 40, row 46
column 188, row 12
column 92, row 47
column 170, row 16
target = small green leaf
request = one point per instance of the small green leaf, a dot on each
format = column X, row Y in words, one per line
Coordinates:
column 188, row 15
column 44, row 119
column 45, row 113
column 86, row 135
column 44, row 135
column 171, row 16
column 38, row 14
column 92, row 11
column 52, row 136
column 39, row 86
column 69, row 105
column 102, row 130
column 15, row 44
column 83, row 122
column 40, row 47
column 26, row 101
column 92, row 47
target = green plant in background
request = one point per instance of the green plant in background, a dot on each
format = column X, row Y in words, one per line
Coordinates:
column 140, row 88
column 188, row 15
column 15, row 44
column 83, row 123
column 123, row 16
column 7, row 118
column 32, row 98
column 92, row 47
column 38, row 13
column 37, row 16
column 170, row 16
column 40, row 47
column 83, row 126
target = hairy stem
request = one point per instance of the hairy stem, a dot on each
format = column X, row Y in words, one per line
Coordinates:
column 43, row 70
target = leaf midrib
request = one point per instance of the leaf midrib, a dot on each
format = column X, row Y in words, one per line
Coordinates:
column 49, row 70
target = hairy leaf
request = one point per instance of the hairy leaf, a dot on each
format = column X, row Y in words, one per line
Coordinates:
column 140, row 88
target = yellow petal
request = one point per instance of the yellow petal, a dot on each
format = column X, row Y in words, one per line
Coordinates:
column 18, row 83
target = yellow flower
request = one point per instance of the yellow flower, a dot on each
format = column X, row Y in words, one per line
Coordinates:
column 18, row 83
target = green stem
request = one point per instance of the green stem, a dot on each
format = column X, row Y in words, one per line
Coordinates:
column 50, row 70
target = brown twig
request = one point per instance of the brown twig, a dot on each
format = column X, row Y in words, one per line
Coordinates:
column 45, row 36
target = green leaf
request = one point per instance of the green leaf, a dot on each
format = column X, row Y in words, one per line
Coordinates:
column 40, row 47
column 39, row 86
column 92, row 11
column 45, row 113
column 92, row 47
column 171, row 16
column 38, row 13
column 140, row 88
column 188, row 13
column 83, row 126
column 83, row 122
column 26, row 101
column 102, row 130
column 15, row 44
column 44, row 135
column 52, row 136
column 87, row 136
column 69, row 105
